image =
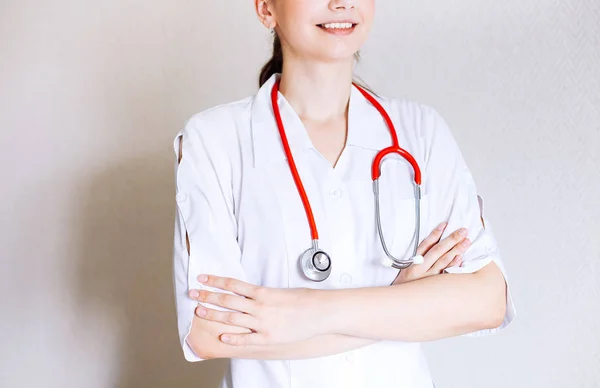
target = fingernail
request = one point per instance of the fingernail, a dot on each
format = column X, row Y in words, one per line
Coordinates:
column 441, row 226
column 194, row 294
column 202, row 278
column 225, row 338
column 200, row 311
column 465, row 242
column 463, row 232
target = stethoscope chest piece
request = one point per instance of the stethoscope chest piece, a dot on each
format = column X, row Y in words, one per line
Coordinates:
column 315, row 264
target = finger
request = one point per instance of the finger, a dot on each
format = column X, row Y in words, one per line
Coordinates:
column 445, row 261
column 454, row 262
column 237, row 286
column 446, row 244
column 229, row 318
column 233, row 302
column 457, row 262
column 428, row 243
column 252, row 339
column 432, row 239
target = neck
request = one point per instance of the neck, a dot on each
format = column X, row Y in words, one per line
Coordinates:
column 319, row 92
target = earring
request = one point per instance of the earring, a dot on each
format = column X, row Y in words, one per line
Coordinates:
column 272, row 30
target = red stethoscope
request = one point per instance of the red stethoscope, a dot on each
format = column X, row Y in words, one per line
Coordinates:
column 314, row 262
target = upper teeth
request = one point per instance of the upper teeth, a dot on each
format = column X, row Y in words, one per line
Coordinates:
column 338, row 25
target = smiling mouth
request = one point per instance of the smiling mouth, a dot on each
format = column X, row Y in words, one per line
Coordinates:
column 337, row 26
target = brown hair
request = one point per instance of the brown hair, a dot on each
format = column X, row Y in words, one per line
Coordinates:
column 275, row 64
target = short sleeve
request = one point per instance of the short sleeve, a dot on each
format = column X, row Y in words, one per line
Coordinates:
column 454, row 198
column 204, row 211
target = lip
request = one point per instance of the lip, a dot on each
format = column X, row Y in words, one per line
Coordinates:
column 354, row 22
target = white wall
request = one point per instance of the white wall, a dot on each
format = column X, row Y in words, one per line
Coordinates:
column 92, row 93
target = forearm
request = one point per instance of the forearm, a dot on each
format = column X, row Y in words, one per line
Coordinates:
column 423, row 310
column 204, row 340
column 321, row 345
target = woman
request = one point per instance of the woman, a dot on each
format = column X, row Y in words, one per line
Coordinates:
column 242, row 222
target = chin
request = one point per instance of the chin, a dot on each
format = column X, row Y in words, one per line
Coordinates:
column 332, row 56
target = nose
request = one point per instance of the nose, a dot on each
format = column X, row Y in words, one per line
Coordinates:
column 341, row 4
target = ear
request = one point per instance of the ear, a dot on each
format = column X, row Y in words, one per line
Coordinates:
column 264, row 11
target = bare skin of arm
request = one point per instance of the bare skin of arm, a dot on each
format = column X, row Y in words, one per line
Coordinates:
column 204, row 336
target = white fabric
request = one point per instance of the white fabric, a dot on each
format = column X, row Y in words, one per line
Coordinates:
column 237, row 201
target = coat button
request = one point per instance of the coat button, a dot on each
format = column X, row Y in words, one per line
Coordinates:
column 345, row 279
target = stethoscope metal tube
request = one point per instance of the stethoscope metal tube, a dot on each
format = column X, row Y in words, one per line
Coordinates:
column 394, row 262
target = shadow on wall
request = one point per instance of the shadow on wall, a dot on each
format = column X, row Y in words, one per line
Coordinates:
column 125, row 226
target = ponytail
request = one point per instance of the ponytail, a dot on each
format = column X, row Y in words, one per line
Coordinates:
column 275, row 64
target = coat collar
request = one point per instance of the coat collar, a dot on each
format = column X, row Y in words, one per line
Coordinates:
column 366, row 127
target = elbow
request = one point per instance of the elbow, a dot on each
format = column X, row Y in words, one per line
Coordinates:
column 489, row 314
column 494, row 299
column 203, row 352
column 496, row 306
column 202, row 341
column 495, row 314
column 200, row 351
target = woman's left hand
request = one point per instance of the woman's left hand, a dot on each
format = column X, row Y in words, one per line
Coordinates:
column 274, row 315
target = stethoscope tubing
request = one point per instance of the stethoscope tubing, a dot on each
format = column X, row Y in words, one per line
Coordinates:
column 307, row 208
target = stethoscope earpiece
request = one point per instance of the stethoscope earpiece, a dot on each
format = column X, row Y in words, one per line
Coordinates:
column 415, row 260
column 387, row 262
column 418, row 259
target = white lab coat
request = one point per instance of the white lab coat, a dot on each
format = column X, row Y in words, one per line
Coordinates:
column 237, row 201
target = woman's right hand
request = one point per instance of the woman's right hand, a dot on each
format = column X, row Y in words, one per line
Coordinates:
column 438, row 255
